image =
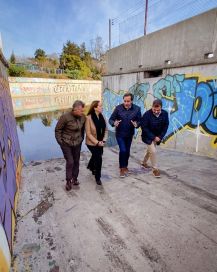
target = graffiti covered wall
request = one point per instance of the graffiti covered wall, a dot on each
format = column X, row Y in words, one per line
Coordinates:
column 189, row 98
column 10, row 170
column 35, row 95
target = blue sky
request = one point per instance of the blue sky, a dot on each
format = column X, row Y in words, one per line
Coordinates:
column 29, row 24
column 26, row 25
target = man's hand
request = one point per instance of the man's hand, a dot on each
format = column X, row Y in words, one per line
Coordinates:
column 134, row 123
column 157, row 139
column 116, row 123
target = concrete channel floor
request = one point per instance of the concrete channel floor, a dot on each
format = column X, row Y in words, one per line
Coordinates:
column 135, row 224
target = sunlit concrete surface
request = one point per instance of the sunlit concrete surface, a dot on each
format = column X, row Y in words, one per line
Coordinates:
column 136, row 224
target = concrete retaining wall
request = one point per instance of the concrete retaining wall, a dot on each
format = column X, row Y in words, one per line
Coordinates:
column 187, row 85
column 189, row 94
column 34, row 95
column 184, row 44
column 10, row 169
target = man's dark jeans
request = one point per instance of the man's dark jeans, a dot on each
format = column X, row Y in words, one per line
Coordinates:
column 72, row 157
column 124, row 154
column 95, row 163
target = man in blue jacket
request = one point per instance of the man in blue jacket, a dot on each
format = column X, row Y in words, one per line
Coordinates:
column 125, row 118
column 154, row 124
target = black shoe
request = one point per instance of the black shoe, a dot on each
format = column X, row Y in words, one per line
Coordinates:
column 68, row 185
column 75, row 182
column 99, row 182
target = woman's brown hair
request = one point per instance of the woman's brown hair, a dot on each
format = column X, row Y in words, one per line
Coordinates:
column 93, row 105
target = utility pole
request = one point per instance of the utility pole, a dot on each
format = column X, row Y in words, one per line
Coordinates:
column 146, row 16
column 110, row 33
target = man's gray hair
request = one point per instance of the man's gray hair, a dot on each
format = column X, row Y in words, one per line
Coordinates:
column 78, row 103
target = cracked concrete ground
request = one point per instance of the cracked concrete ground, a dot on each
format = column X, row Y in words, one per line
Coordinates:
column 136, row 224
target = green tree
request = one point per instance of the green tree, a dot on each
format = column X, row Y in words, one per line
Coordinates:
column 40, row 54
column 88, row 59
column 96, row 75
column 78, row 62
column 76, row 67
column 16, row 71
column 74, row 74
column 85, row 55
column 71, row 48
column 13, row 58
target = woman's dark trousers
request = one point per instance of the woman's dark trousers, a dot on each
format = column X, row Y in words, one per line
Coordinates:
column 95, row 163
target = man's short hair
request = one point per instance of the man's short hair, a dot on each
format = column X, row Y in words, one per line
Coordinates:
column 129, row 94
column 157, row 103
column 78, row 103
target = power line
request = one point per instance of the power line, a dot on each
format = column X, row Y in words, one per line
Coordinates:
column 132, row 8
column 129, row 18
column 130, row 11
column 162, row 13
column 176, row 15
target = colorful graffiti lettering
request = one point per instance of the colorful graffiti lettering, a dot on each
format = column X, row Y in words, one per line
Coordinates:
column 112, row 99
column 30, row 87
column 191, row 102
column 168, row 86
column 195, row 105
column 10, row 169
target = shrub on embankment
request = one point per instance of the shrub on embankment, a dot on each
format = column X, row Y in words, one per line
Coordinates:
column 75, row 62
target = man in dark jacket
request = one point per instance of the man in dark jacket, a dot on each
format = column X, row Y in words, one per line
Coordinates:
column 69, row 133
column 154, row 124
column 125, row 118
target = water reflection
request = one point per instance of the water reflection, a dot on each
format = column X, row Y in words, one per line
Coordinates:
column 46, row 118
column 37, row 138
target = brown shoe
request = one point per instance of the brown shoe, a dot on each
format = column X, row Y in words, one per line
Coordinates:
column 127, row 171
column 156, row 173
column 122, row 172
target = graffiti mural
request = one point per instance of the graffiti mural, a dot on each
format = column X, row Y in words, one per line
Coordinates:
column 35, row 95
column 112, row 99
column 191, row 101
column 21, row 86
column 191, row 104
column 35, row 104
column 10, row 171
